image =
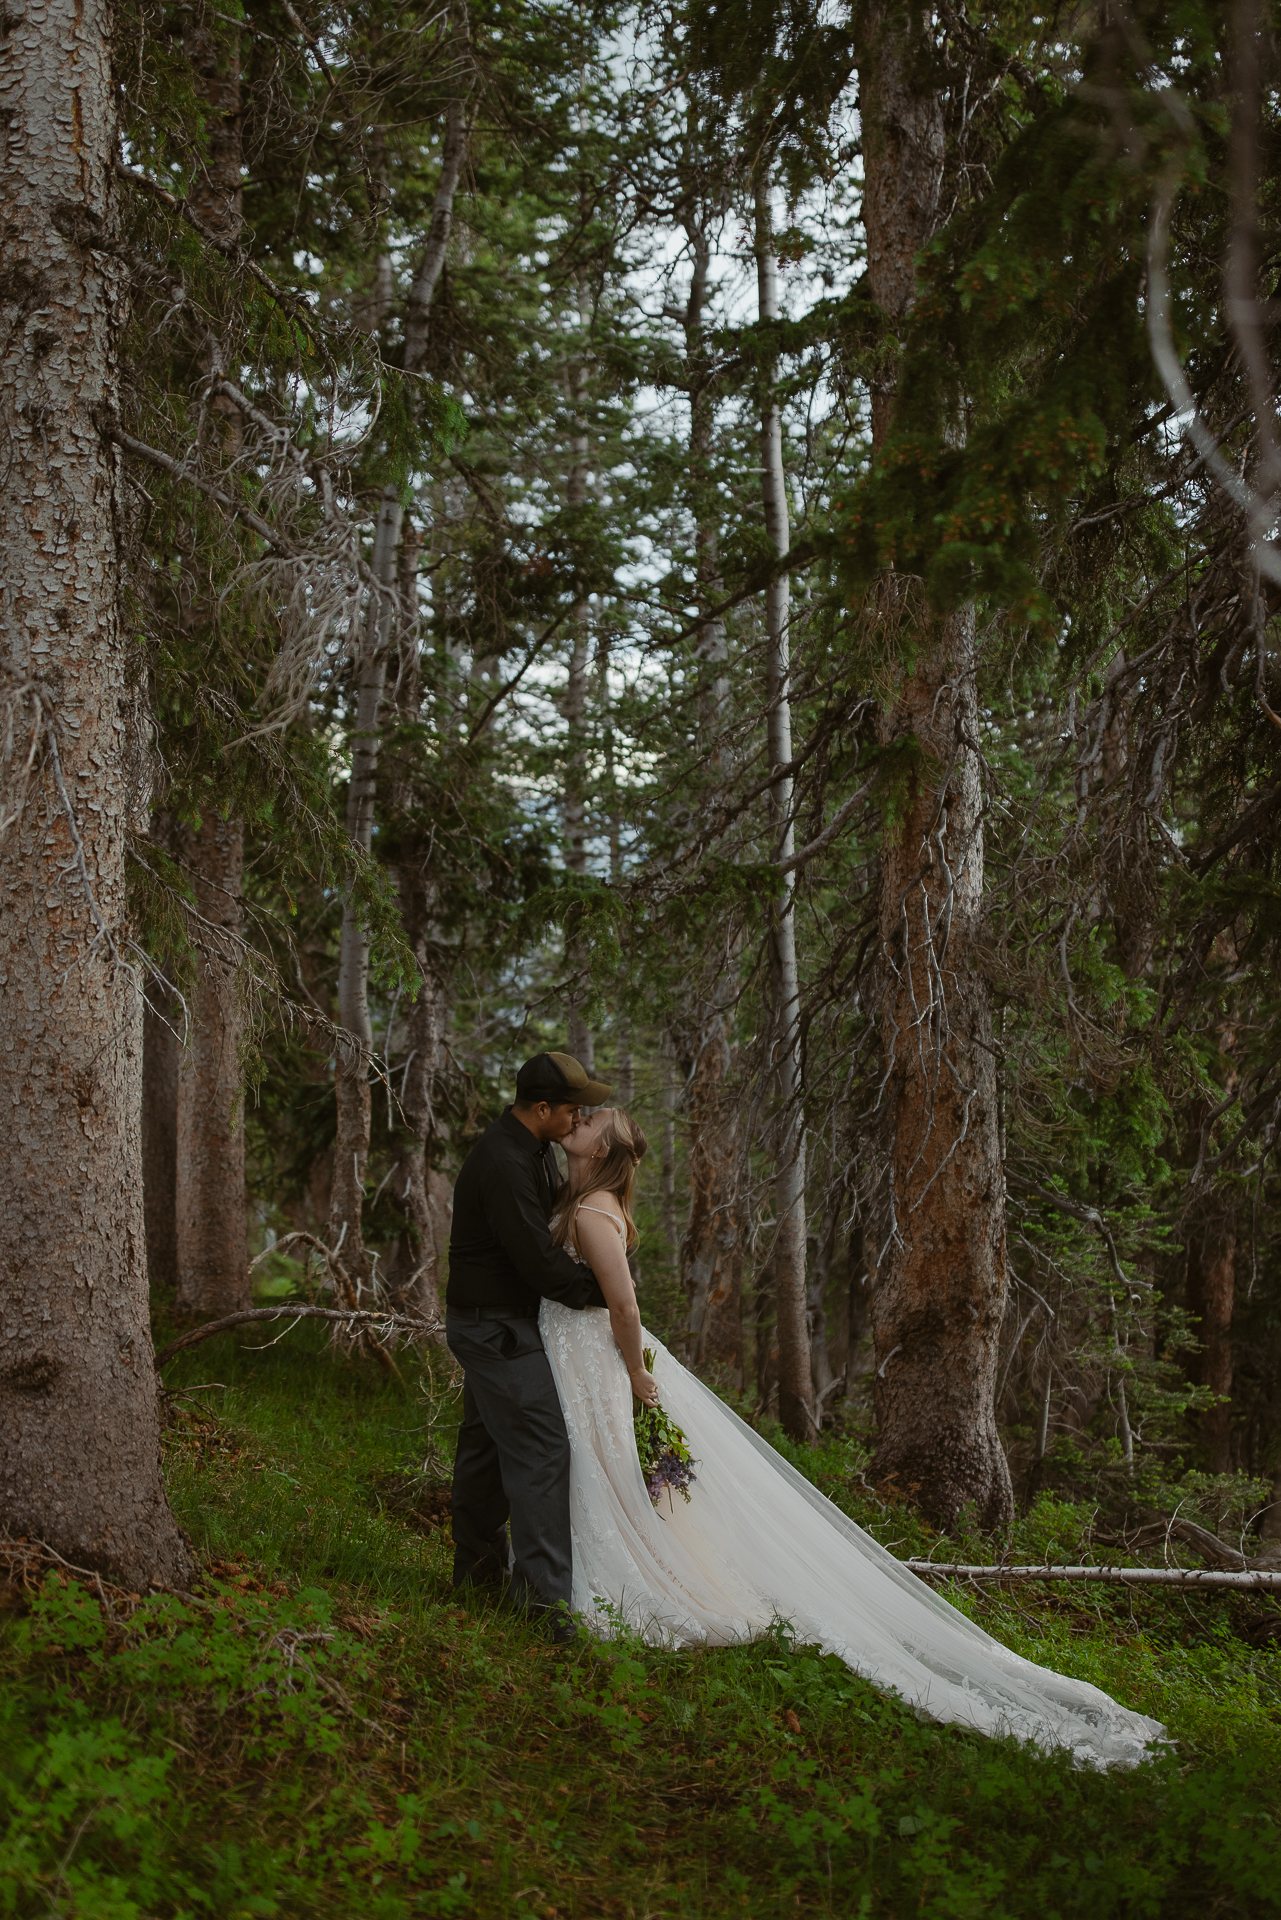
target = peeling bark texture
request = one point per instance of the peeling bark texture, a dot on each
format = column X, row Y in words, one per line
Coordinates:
column 1211, row 1274
column 161, row 1054
column 787, row 1260
column 712, row 1250
column 211, row 1253
column 80, row 1464
column 940, row 1286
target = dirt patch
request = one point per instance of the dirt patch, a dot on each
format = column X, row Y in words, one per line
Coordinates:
column 427, row 1505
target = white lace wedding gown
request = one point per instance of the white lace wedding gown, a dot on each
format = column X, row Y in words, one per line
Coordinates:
column 757, row 1543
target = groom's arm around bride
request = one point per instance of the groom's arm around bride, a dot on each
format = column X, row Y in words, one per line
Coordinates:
column 513, row 1452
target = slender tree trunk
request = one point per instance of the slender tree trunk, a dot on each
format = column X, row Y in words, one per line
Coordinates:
column 419, row 1187
column 211, row 1253
column 211, row 1260
column 940, row 1288
column 858, row 1307
column 818, row 1274
column 574, row 707
column 161, row 1057
column 712, row 1249
column 351, row 1074
column 787, row 1263
column 423, row 291
column 667, row 1158
column 1211, row 1271
column 421, row 1191
column 80, row 1463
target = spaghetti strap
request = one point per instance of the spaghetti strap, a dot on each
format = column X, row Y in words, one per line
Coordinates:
column 604, row 1212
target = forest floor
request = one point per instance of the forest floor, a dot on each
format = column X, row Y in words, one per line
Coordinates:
column 320, row 1730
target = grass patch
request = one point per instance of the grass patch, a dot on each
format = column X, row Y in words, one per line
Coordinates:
column 322, row 1731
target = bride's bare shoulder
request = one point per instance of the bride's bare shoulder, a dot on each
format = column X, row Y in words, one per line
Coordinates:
column 601, row 1203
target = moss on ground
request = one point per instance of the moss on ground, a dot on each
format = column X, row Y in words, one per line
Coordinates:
column 322, row 1731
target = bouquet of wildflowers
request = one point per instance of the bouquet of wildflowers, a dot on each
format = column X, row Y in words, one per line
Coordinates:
column 663, row 1449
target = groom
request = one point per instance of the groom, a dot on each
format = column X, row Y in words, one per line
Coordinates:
column 513, row 1451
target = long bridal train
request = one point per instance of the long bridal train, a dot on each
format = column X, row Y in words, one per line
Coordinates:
column 758, row 1543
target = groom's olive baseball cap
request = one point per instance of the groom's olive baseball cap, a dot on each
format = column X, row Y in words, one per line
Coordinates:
column 558, row 1078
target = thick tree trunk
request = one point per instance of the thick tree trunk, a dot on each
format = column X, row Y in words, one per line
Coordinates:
column 940, row 1289
column 80, row 1463
column 1211, row 1275
column 211, row 1254
column 787, row 1261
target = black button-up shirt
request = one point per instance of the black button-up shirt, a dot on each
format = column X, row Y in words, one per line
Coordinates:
column 501, row 1254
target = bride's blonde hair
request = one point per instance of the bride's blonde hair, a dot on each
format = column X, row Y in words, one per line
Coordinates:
column 622, row 1148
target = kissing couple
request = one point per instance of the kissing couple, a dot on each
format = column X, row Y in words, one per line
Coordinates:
column 550, row 1503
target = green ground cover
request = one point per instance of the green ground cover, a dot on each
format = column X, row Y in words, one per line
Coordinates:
column 320, row 1730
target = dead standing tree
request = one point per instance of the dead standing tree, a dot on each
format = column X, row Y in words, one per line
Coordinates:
column 787, row 1256
column 81, row 1459
column 391, row 629
column 940, row 1288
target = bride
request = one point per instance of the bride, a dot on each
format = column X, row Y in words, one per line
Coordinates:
column 757, row 1543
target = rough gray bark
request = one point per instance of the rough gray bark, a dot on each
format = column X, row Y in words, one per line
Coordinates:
column 787, row 1260
column 80, row 1464
column 940, row 1286
column 210, row 1249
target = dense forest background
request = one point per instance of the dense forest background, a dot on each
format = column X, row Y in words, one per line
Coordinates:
column 481, row 371
column 736, row 540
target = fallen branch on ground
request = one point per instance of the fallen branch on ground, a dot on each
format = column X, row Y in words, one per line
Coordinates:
column 297, row 1310
column 1117, row 1576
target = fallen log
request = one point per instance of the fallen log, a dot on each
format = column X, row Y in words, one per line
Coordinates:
column 297, row 1310
column 1184, row 1577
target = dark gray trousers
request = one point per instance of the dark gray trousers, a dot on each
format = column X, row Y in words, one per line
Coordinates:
column 512, row 1462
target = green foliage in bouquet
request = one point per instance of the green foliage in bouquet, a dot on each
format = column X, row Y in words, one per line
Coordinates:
column 662, row 1448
